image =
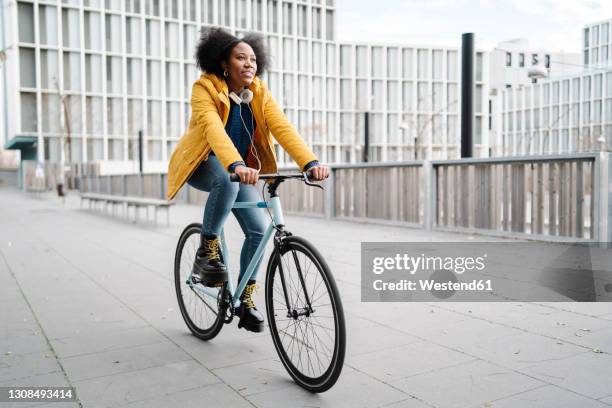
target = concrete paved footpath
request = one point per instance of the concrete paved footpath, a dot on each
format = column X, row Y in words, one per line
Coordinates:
column 87, row 300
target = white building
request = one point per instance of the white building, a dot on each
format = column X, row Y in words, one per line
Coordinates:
column 597, row 43
column 510, row 62
column 568, row 112
column 123, row 66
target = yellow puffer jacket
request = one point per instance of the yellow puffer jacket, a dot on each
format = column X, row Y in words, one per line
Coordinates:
column 210, row 107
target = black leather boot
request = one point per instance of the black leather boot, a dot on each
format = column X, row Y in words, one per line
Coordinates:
column 250, row 318
column 208, row 267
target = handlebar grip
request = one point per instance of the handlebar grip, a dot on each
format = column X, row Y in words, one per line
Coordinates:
column 234, row 177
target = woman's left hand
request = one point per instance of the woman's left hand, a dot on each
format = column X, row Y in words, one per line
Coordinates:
column 319, row 173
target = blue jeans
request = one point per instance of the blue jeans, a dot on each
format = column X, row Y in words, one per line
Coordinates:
column 213, row 178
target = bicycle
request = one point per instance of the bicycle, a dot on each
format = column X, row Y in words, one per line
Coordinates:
column 303, row 306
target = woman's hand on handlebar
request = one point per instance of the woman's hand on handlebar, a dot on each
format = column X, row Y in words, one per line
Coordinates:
column 247, row 175
column 319, row 173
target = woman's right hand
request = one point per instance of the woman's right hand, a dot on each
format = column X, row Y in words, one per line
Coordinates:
column 247, row 175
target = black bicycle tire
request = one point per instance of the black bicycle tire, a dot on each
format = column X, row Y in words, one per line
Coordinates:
column 330, row 376
column 215, row 328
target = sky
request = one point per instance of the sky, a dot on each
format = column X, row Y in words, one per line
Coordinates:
column 551, row 25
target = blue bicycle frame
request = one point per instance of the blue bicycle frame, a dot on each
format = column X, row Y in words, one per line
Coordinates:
column 277, row 219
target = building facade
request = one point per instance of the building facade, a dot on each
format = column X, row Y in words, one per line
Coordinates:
column 104, row 70
column 570, row 111
column 597, row 43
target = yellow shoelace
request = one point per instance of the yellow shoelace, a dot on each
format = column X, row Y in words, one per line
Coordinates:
column 213, row 250
column 248, row 299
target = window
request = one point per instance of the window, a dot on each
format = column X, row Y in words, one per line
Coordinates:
column 134, row 76
column 93, row 113
column 171, row 9
column 316, row 23
column 586, row 37
column 479, row 65
column 72, row 71
column 70, row 28
column 407, row 63
column 154, row 117
column 93, row 27
column 392, row 63
column 173, row 126
column 113, row 75
column 47, row 19
column 241, row 11
column 378, row 101
column 189, row 10
column 190, row 36
column 508, row 59
column 393, row 88
column 49, row 69
column 27, row 64
column 93, row 73
column 329, row 25
column 377, row 62
column 423, row 64
column 132, row 6
column 331, row 59
column 113, row 33
column 346, row 98
column 345, row 60
column 288, row 53
column 451, row 65
column 133, row 39
column 256, row 14
column 114, row 116
column 153, row 78
column 287, row 18
column 153, row 38
column 302, row 21
column 172, row 40
column 317, row 58
column 521, row 60
column 28, row 112
column 362, row 61
column 26, row 22
column 172, row 80
column 303, row 61
column 272, row 16
column 51, row 117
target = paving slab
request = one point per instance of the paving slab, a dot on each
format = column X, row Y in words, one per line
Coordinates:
column 88, row 301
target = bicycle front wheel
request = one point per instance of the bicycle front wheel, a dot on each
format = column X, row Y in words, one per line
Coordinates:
column 202, row 307
column 305, row 315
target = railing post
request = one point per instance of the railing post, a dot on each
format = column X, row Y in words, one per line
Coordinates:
column 429, row 173
column 330, row 195
column 140, row 185
column 603, row 198
column 162, row 185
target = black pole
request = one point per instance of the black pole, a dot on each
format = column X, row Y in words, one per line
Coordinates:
column 366, row 141
column 467, row 94
column 140, row 151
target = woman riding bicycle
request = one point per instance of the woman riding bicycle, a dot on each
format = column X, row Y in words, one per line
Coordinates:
column 232, row 116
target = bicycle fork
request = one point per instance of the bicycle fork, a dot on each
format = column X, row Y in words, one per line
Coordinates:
column 291, row 313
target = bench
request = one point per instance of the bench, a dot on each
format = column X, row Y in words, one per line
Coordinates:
column 136, row 202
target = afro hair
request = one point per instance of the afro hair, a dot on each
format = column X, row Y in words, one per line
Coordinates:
column 216, row 45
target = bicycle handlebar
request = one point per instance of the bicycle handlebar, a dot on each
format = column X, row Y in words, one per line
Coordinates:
column 306, row 175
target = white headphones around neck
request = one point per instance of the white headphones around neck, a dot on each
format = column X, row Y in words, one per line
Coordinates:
column 245, row 96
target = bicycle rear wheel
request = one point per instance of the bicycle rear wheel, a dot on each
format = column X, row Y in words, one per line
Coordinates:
column 203, row 314
column 305, row 315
